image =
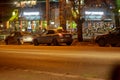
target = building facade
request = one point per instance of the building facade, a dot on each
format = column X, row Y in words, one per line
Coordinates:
column 33, row 18
column 98, row 18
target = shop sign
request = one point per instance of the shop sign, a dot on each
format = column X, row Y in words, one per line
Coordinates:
column 31, row 13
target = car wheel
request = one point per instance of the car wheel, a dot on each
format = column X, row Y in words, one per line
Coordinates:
column 55, row 42
column 48, row 44
column 68, row 43
column 6, row 42
column 102, row 42
column 35, row 42
column 20, row 42
column 113, row 45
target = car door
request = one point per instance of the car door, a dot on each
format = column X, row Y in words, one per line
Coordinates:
column 49, row 36
column 115, row 37
column 42, row 38
column 11, row 38
column 46, row 37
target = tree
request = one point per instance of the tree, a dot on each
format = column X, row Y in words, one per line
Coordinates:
column 6, row 8
column 113, row 5
column 77, row 9
column 63, row 14
column 77, row 17
column 116, row 11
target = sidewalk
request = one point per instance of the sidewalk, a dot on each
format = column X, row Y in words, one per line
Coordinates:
column 86, row 42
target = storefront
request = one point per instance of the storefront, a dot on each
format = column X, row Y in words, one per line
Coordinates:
column 26, row 19
column 98, row 21
column 29, row 19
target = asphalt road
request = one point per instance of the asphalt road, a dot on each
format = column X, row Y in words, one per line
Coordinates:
column 56, row 62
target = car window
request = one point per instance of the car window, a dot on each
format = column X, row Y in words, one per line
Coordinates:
column 18, row 34
column 25, row 33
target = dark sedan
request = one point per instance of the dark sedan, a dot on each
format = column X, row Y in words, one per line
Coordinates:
column 112, row 38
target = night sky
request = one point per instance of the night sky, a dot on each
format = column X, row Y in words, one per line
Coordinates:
column 5, row 1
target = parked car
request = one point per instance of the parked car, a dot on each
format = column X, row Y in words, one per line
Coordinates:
column 19, row 38
column 112, row 38
column 3, row 35
column 53, row 37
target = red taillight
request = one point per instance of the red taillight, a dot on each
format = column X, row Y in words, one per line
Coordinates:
column 61, row 35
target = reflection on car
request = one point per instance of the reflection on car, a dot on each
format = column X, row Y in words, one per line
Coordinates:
column 19, row 38
column 112, row 38
column 53, row 37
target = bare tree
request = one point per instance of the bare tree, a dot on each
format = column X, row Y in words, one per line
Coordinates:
column 77, row 17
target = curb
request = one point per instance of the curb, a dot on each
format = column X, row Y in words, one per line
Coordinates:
column 85, row 42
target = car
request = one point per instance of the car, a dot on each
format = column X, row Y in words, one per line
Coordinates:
column 3, row 35
column 112, row 38
column 19, row 38
column 53, row 37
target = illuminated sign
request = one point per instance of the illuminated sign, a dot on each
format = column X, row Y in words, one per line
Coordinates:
column 25, row 3
column 31, row 13
column 94, row 13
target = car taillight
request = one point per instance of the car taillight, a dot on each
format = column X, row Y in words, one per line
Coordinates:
column 61, row 35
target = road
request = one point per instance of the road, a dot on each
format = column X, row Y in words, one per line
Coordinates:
column 56, row 62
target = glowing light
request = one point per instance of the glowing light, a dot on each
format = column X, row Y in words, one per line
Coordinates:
column 52, row 22
column 31, row 13
column 26, row 3
column 119, row 10
column 13, row 13
column 94, row 13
